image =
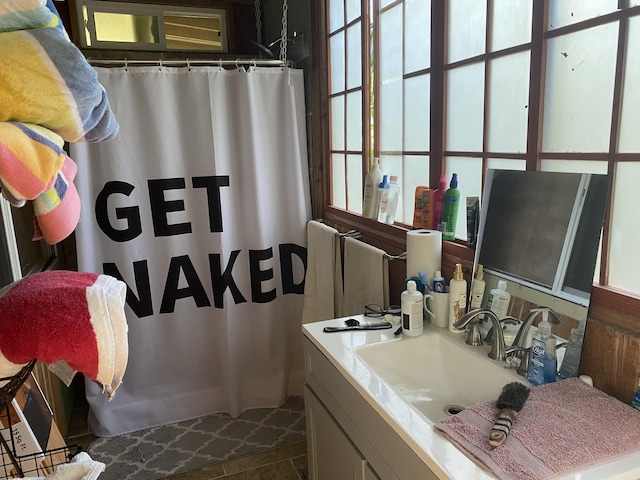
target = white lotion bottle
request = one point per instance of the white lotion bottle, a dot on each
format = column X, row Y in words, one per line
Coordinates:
column 411, row 307
column 499, row 300
column 371, row 182
column 457, row 298
column 477, row 289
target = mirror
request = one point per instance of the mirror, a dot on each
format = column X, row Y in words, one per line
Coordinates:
column 540, row 231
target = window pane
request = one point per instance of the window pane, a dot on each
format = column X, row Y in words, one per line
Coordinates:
column 573, row 166
column 416, row 113
column 124, row 27
column 336, row 15
column 469, row 172
column 511, row 23
column 417, row 48
column 337, row 123
column 354, row 121
column 354, row 57
column 338, row 178
column 630, row 117
column 579, row 64
column 624, row 260
column 467, row 25
column 354, row 181
column 566, row 12
column 193, row 32
column 390, row 116
column 416, row 173
column 465, row 107
column 506, row 164
column 391, row 44
column 337, row 63
column 392, row 165
column 508, row 103
column 353, row 10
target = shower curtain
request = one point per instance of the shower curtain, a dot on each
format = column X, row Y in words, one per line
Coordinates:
column 200, row 205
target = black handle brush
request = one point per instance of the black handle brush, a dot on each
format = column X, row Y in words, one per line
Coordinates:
column 510, row 402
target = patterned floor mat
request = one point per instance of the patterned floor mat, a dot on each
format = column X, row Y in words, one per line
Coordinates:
column 154, row 453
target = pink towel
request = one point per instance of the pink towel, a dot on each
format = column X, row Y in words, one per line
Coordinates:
column 74, row 317
column 563, row 427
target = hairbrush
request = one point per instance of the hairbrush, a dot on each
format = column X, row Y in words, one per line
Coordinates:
column 510, row 402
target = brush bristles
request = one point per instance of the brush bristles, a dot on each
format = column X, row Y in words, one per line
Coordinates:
column 513, row 396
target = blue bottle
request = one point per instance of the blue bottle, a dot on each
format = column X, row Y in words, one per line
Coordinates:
column 543, row 364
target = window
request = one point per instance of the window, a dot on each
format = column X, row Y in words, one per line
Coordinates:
column 462, row 86
column 117, row 25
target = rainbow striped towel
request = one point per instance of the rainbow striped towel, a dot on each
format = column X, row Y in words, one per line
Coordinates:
column 46, row 80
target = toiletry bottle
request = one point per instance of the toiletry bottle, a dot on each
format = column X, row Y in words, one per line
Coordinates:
column 411, row 307
column 389, row 201
column 450, row 210
column 383, row 184
column 457, row 298
column 542, row 357
column 571, row 361
column 635, row 403
column 423, row 209
column 371, row 182
column 438, row 283
column 438, row 202
column 499, row 299
column 477, row 289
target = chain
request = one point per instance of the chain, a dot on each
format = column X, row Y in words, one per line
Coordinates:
column 256, row 5
column 283, row 39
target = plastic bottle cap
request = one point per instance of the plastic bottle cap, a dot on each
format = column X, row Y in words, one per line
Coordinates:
column 411, row 286
column 438, row 274
column 393, row 179
column 502, row 285
column 384, row 180
column 454, row 181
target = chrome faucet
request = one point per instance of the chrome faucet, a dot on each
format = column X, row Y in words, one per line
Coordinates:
column 497, row 344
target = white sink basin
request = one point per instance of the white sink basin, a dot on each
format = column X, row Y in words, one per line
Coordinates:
column 436, row 374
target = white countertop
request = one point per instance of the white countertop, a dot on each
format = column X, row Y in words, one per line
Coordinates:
column 442, row 457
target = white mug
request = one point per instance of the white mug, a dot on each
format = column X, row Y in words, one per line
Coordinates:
column 426, row 307
column 439, row 304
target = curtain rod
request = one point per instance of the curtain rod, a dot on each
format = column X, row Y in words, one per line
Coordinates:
column 186, row 63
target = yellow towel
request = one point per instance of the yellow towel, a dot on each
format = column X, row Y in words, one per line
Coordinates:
column 366, row 277
column 323, row 281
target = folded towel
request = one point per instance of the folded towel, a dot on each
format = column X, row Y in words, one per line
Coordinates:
column 563, row 427
column 365, row 277
column 46, row 80
column 81, row 467
column 57, row 211
column 75, row 317
column 22, row 14
column 322, row 297
column 30, row 159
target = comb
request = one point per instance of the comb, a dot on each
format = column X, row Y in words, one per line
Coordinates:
column 510, row 402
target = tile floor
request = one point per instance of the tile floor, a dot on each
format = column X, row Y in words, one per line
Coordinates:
column 284, row 463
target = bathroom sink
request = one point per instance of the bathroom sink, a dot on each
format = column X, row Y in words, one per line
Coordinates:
column 436, row 374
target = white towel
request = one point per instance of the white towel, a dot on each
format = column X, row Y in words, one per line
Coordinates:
column 81, row 467
column 366, row 277
column 323, row 281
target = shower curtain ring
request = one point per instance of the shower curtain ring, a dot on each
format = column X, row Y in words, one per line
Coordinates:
column 126, row 65
column 188, row 65
column 237, row 65
column 220, row 64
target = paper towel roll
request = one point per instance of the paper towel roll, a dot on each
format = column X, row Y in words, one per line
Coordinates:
column 424, row 252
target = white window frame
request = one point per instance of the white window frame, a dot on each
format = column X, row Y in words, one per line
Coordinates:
column 147, row 10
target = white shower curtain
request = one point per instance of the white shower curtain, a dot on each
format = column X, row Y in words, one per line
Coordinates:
column 200, row 205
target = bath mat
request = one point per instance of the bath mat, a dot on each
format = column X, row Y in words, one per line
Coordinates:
column 157, row 452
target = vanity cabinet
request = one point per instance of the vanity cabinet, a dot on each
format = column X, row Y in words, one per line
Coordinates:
column 346, row 437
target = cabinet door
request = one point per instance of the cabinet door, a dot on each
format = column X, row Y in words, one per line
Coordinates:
column 369, row 474
column 331, row 454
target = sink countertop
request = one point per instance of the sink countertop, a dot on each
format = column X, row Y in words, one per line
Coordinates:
column 442, row 457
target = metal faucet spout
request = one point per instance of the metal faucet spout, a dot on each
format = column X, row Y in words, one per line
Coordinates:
column 497, row 344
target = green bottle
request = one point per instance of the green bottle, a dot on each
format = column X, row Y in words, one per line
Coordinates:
column 450, row 210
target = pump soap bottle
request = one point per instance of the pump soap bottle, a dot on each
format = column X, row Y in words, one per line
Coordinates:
column 411, row 307
column 457, row 298
column 371, row 182
column 543, row 363
column 477, row 289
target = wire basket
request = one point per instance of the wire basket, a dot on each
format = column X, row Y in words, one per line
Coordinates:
column 13, row 464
